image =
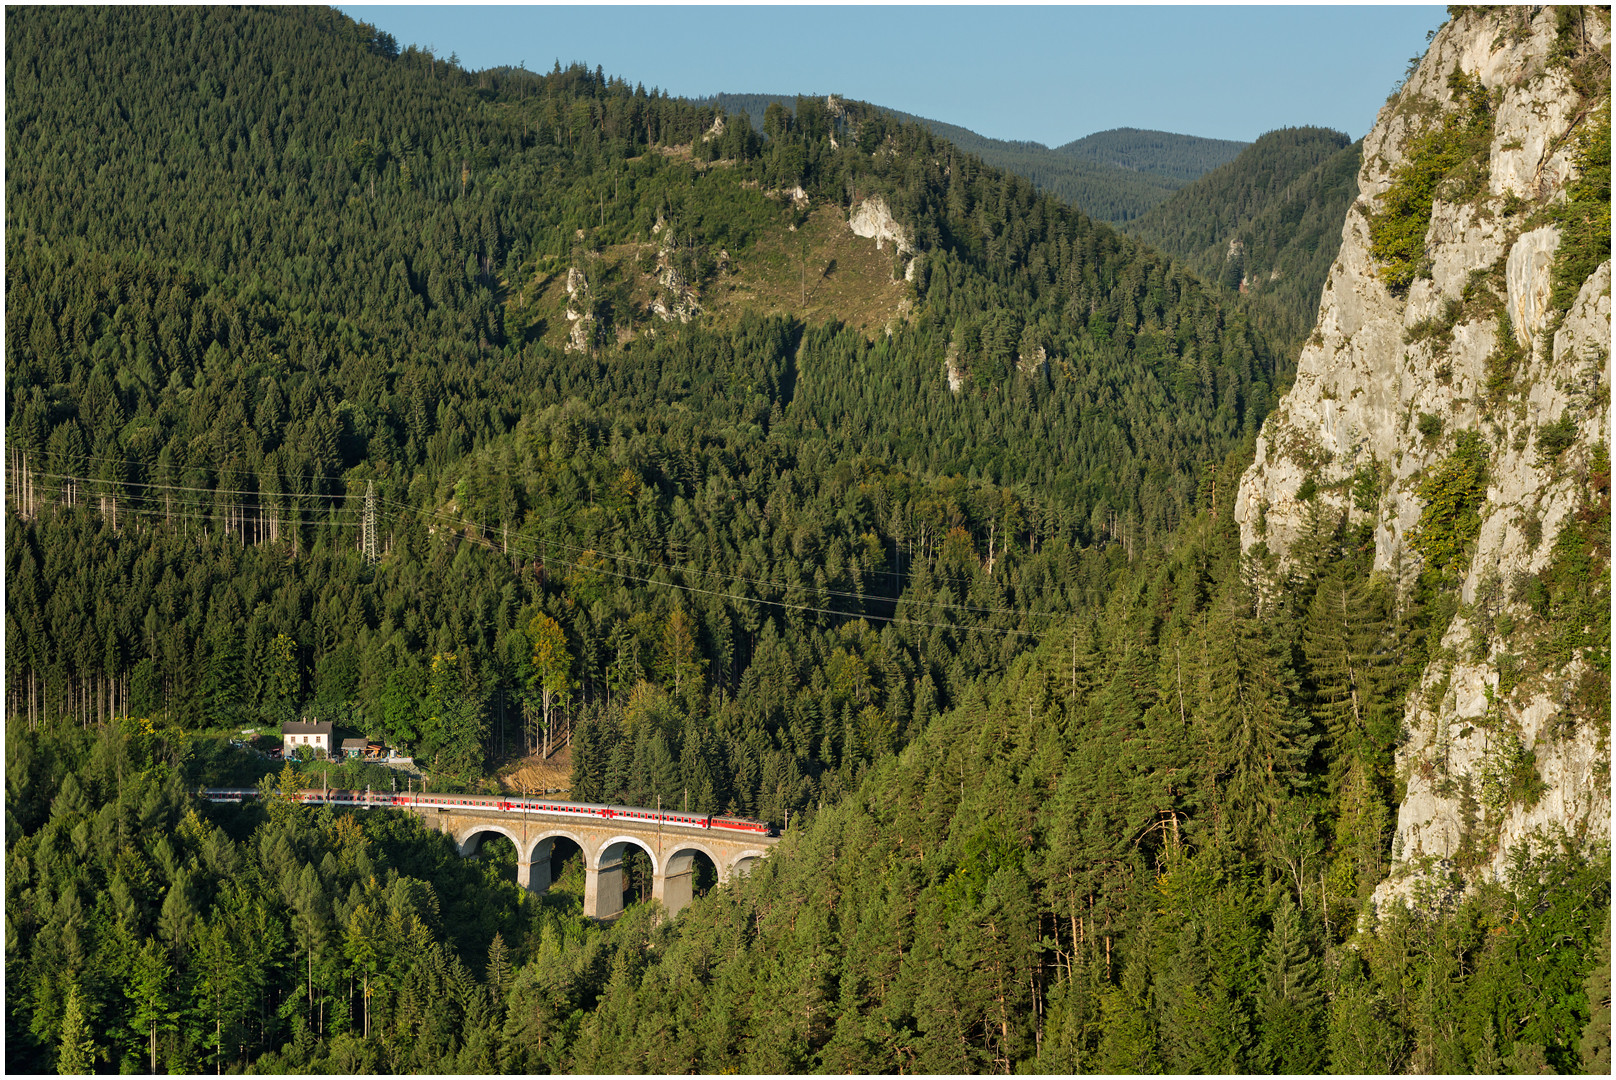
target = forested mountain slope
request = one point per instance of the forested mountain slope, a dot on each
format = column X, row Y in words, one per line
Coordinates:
column 1114, row 175
column 1160, row 153
column 1073, row 783
column 1161, row 845
column 194, row 353
column 1267, row 224
column 301, row 281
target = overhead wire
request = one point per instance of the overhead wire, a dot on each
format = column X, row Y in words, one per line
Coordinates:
column 203, row 515
column 206, row 491
column 814, row 609
column 761, row 582
column 347, row 480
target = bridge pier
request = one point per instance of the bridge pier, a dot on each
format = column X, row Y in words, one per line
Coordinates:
column 534, row 875
column 533, row 871
column 676, row 888
column 603, row 888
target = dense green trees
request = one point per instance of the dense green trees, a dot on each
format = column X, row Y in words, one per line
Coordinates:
column 1175, row 934
column 1162, row 153
column 170, row 391
column 145, row 935
column 1267, row 224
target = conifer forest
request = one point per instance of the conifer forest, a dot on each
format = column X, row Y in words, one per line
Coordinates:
column 516, row 419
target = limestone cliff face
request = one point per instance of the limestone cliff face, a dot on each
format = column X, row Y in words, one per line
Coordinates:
column 1384, row 388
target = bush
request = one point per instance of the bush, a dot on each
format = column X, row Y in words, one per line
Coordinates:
column 1366, row 488
column 1509, row 776
column 1554, row 439
column 1453, row 495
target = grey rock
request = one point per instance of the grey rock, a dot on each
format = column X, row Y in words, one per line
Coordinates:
column 1362, row 383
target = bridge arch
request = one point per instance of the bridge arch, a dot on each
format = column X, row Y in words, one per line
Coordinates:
column 675, row 886
column 469, row 842
column 603, row 882
column 741, row 864
column 541, row 849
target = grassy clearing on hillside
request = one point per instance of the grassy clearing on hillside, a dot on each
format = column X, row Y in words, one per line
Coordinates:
column 818, row 273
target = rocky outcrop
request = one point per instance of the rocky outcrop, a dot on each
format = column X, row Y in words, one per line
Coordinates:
column 794, row 195
column 952, row 370
column 1033, row 362
column 581, row 332
column 1382, row 391
column 836, row 109
column 676, row 297
column 1528, row 279
column 1468, row 731
column 872, row 219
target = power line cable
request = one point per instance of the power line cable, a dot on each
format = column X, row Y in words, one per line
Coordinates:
column 761, row 582
column 205, row 491
column 818, row 610
column 346, row 480
column 783, row 587
column 721, row 576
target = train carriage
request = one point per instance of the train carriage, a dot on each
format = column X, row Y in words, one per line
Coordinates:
column 504, row 804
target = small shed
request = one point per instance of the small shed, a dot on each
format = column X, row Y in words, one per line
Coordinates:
column 355, row 748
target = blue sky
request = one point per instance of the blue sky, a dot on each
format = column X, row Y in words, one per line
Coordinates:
column 1049, row 74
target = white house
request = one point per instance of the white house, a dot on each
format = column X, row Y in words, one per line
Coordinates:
column 316, row 736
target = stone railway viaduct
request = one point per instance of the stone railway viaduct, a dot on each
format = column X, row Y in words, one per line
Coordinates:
column 672, row 850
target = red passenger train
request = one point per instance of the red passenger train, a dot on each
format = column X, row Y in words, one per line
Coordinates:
column 503, row 804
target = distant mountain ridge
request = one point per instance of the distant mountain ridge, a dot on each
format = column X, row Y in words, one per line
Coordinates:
column 1267, row 224
column 1113, row 176
column 1161, row 153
